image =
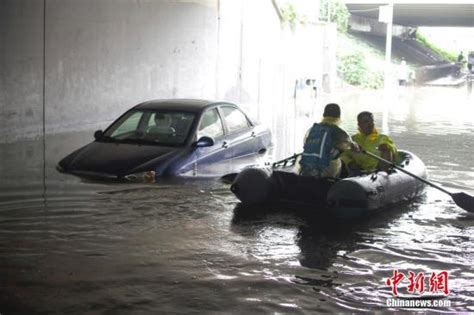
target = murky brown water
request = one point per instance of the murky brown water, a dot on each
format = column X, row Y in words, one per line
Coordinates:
column 74, row 246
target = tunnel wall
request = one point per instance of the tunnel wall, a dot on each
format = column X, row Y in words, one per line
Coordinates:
column 94, row 59
column 21, row 68
column 101, row 57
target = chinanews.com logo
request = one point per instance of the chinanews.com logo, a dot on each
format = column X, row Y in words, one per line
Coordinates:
column 433, row 295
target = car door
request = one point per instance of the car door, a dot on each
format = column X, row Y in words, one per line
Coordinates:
column 216, row 159
column 241, row 137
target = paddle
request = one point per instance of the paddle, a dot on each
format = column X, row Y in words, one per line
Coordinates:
column 463, row 200
column 229, row 178
column 284, row 162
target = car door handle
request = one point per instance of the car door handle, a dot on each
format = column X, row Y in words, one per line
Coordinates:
column 225, row 145
column 253, row 134
column 262, row 151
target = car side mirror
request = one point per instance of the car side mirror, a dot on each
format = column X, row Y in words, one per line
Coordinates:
column 98, row 134
column 204, row 141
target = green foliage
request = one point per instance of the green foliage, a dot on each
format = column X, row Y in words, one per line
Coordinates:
column 442, row 53
column 339, row 13
column 373, row 79
column 291, row 15
column 354, row 70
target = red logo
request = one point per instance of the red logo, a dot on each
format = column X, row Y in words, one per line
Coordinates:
column 416, row 282
column 439, row 282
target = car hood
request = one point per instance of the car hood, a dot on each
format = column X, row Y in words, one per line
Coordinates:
column 116, row 159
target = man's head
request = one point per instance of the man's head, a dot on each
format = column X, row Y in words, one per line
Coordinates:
column 162, row 120
column 365, row 120
column 332, row 110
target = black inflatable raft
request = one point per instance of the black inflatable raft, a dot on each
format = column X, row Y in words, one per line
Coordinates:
column 344, row 198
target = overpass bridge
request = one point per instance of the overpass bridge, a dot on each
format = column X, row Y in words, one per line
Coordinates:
column 441, row 13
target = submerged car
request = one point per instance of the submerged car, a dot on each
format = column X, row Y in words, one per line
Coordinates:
column 173, row 138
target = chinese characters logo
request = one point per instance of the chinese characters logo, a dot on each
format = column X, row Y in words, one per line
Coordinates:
column 416, row 283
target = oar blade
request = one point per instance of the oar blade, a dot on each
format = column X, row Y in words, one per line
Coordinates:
column 464, row 201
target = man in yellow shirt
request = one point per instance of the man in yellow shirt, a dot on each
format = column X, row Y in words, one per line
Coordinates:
column 370, row 140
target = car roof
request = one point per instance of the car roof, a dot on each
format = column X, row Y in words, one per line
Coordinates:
column 189, row 105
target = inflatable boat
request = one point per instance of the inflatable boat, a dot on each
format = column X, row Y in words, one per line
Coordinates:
column 348, row 197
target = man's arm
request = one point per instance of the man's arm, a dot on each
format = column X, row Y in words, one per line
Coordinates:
column 388, row 151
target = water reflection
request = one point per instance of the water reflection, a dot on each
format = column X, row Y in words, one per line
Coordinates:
column 319, row 238
column 342, row 260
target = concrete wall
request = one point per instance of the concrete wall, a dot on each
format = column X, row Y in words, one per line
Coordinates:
column 103, row 56
column 21, row 67
column 367, row 25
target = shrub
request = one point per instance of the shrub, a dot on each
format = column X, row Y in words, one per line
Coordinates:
column 354, row 70
column 339, row 13
column 291, row 16
column 442, row 53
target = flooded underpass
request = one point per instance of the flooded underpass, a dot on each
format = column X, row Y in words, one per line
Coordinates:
column 69, row 245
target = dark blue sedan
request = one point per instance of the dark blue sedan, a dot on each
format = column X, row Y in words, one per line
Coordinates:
column 172, row 138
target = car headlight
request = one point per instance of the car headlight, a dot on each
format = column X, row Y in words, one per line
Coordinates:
column 147, row 177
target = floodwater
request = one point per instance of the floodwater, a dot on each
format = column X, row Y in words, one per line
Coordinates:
column 69, row 245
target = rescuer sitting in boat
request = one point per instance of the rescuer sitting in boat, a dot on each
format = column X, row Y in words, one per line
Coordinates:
column 370, row 140
column 323, row 145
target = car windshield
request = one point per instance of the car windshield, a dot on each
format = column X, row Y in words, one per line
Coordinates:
column 169, row 128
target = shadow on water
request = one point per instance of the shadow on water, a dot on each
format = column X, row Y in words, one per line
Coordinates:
column 340, row 259
column 335, row 256
column 320, row 237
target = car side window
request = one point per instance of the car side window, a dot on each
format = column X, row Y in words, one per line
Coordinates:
column 129, row 125
column 235, row 119
column 211, row 125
